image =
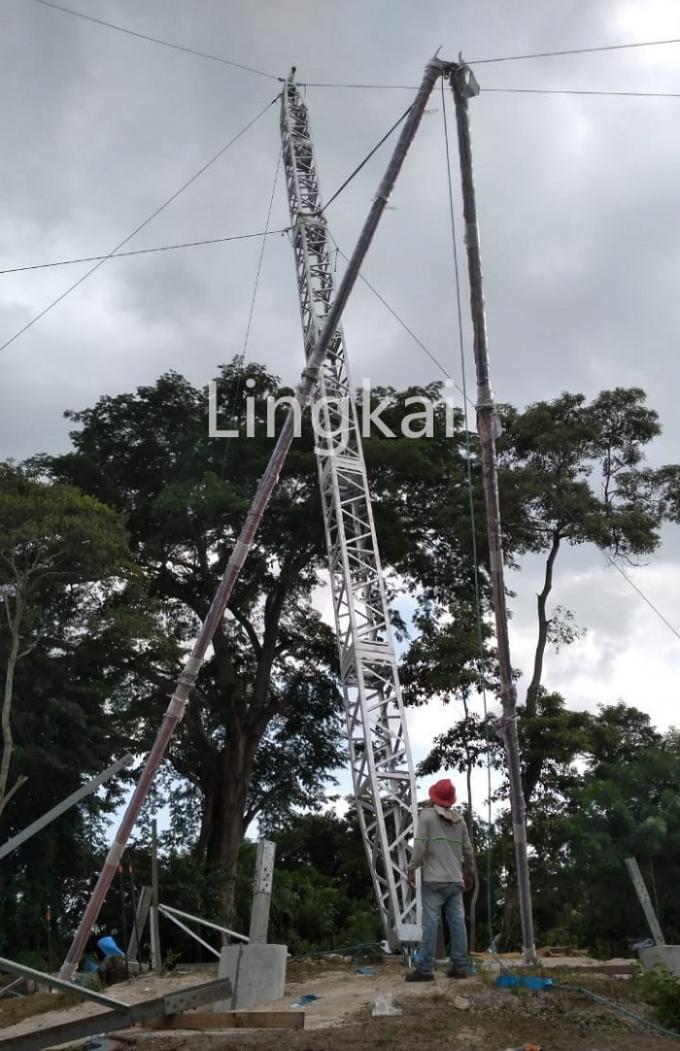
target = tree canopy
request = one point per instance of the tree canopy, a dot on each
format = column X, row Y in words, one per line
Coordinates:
column 111, row 556
column 265, row 727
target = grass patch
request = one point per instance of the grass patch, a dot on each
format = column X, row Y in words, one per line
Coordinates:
column 15, row 1009
column 661, row 989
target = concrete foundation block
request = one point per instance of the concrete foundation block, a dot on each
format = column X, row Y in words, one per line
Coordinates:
column 669, row 955
column 257, row 974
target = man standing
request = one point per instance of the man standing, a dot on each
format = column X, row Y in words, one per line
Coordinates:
column 444, row 851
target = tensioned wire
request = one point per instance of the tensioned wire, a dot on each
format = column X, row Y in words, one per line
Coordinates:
column 157, row 40
column 143, row 251
column 253, row 299
column 467, row 401
column 445, row 372
column 141, row 226
column 398, row 87
column 272, row 76
column 115, row 253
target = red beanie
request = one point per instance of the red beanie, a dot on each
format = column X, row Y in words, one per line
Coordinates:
column 443, row 793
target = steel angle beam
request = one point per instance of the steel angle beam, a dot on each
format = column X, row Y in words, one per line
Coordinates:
column 645, row 900
column 65, row 805
column 41, row 978
column 122, row 1017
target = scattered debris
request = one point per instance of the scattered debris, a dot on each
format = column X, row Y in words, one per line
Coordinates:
column 383, row 1006
column 461, row 1003
column 525, row 1047
column 302, row 1001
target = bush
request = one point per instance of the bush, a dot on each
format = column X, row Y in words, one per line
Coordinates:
column 661, row 989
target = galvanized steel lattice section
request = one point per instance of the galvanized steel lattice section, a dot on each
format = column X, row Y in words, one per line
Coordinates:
column 382, row 768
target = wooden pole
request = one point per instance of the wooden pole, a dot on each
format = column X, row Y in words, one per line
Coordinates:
column 142, row 906
column 465, row 86
column 133, row 895
column 645, row 900
column 155, row 932
column 123, row 918
column 48, row 920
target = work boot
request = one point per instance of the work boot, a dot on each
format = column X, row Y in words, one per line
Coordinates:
column 418, row 976
column 457, row 972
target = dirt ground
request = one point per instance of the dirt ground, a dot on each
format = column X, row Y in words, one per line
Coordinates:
column 488, row 1019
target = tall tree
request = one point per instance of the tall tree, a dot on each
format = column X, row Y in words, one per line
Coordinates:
column 626, row 804
column 571, row 473
column 577, row 473
column 63, row 559
column 57, row 547
column 183, row 494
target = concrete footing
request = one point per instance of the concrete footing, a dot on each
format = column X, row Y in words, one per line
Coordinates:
column 257, row 974
column 669, row 955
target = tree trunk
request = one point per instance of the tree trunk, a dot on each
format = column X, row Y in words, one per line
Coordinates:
column 510, row 908
column 226, row 814
column 6, row 722
column 207, row 812
column 543, row 624
column 533, row 763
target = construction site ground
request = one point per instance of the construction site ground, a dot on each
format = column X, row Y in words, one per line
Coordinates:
column 445, row 1014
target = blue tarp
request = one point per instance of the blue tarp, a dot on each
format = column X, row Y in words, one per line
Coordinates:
column 511, row 981
column 108, row 947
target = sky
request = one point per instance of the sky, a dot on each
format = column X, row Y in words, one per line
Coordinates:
column 577, row 198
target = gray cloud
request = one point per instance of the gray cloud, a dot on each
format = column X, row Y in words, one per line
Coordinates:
column 577, row 198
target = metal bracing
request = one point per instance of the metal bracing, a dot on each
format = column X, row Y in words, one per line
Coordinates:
column 380, row 757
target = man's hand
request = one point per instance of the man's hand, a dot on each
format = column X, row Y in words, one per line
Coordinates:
column 468, row 882
column 411, row 879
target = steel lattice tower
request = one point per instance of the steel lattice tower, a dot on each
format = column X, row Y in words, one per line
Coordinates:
column 380, row 756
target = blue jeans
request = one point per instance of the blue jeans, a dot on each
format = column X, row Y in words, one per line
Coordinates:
column 435, row 895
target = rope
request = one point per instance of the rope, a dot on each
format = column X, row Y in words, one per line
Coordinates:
column 366, row 159
column 578, row 91
column 575, row 51
column 654, row 1026
column 144, row 251
column 157, row 40
column 261, row 257
column 253, row 298
column 400, row 320
column 416, row 339
column 471, row 502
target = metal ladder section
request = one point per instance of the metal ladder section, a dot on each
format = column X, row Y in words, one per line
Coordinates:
column 380, row 756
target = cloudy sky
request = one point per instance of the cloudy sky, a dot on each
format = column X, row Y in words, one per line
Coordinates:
column 579, row 222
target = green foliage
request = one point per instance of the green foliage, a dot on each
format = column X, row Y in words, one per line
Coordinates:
column 323, row 897
column 63, row 557
column 266, row 711
column 264, row 732
column 577, row 471
column 265, row 725
column 312, row 912
column 661, row 988
column 170, row 960
column 91, row 981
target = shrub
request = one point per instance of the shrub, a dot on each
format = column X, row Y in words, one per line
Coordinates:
column 660, row 988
